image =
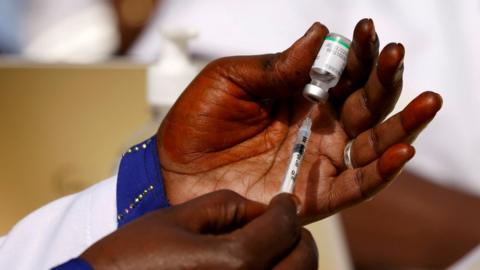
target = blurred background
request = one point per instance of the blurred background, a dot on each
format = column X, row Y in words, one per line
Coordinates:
column 82, row 80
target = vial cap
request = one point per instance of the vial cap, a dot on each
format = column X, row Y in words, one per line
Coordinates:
column 315, row 93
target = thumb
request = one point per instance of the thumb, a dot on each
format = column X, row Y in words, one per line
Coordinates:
column 216, row 212
column 272, row 235
column 275, row 75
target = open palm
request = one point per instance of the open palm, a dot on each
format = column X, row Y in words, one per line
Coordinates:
column 235, row 125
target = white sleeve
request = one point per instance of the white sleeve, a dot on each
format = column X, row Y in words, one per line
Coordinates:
column 61, row 230
column 471, row 261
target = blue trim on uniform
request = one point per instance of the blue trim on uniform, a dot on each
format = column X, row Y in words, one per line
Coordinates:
column 140, row 190
column 74, row 264
column 140, row 187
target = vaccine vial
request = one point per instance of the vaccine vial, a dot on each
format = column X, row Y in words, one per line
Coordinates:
column 327, row 68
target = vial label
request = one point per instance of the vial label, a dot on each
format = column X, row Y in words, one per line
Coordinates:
column 332, row 56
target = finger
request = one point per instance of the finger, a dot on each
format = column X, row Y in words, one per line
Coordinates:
column 372, row 103
column 304, row 256
column 353, row 186
column 264, row 240
column 216, row 212
column 402, row 127
column 360, row 61
column 274, row 75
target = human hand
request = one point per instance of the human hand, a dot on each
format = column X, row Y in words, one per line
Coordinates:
column 235, row 124
column 220, row 230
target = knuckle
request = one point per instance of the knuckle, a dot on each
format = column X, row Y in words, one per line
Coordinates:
column 221, row 66
column 281, row 65
column 358, row 179
column 374, row 141
column 268, row 62
column 364, row 99
column 213, row 65
column 217, row 62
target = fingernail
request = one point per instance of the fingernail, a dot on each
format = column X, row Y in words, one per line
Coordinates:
column 395, row 158
column 298, row 203
column 402, row 53
column 421, row 110
column 311, row 28
column 373, row 33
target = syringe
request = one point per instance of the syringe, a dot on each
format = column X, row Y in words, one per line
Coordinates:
column 325, row 73
column 296, row 158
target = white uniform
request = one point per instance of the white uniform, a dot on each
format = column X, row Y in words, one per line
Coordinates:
column 61, row 230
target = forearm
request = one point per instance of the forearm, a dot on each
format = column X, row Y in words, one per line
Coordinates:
column 413, row 223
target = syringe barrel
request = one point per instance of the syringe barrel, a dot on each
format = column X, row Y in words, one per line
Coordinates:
column 299, row 147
